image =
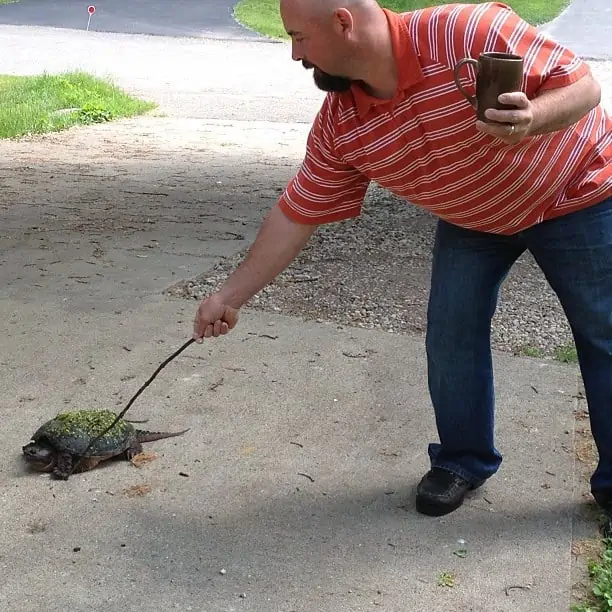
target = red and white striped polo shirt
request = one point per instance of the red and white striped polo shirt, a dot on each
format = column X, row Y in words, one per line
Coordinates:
column 423, row 144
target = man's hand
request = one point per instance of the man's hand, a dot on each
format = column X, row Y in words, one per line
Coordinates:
column 551, row 110
column 517, row 121
column 214, row 317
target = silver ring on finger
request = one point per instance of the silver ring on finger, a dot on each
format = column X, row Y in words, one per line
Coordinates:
column 512, row 128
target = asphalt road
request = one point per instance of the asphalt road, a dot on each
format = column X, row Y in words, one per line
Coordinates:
column 209, row 19
column 214, row 19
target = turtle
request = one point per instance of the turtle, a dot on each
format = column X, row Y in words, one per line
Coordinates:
column 58, row 443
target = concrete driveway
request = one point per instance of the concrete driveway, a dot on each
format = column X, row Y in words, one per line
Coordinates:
column 209, row 19
column 306, row 439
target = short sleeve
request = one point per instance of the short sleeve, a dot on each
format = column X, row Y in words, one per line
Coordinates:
column 467, row 30
column 325, row 188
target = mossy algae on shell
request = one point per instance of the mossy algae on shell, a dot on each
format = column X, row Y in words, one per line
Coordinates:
column 94, row 421
column 74, row 430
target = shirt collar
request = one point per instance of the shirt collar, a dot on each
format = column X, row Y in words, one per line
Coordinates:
column 409, row 71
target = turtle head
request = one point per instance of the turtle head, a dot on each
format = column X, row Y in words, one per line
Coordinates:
column 40, row 456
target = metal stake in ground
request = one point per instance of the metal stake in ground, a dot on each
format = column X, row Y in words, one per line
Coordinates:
column 122, row 413
column 91, row 10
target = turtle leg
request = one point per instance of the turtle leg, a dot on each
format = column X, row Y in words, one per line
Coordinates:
column 63, row 465
column 65, row 461
column 134, row 449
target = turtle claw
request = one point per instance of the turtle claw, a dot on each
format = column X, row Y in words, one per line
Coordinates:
column 59, row 474
column 134, row 450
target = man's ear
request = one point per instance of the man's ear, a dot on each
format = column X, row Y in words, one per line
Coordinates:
column 342, row 21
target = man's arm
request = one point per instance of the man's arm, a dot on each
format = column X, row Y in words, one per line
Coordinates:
column 325, row 189
column 277, row 244
column 552, row 110
column 556, row 109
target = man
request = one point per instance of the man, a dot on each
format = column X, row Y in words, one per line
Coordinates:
column 540, row 178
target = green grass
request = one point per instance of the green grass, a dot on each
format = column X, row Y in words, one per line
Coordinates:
column 263, row 15
column 531, row 351
column 566, row 354
column 8, row 1
column 563, row 353
column 600, row 572
column 28, row 105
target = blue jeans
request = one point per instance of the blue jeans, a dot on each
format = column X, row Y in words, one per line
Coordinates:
column 575, row 254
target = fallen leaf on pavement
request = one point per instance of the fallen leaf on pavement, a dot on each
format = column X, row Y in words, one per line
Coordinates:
column 143, row 458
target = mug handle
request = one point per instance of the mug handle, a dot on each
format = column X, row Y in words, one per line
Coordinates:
column 458, row 65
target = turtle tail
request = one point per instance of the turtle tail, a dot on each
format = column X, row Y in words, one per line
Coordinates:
column 151, row 436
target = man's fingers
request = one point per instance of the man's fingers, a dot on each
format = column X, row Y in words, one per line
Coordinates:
column 500, row 131
column 197, row 336
column 520, row 115
column 517, row 117
column 515, row 98
column 217, row 328
column 510, row 134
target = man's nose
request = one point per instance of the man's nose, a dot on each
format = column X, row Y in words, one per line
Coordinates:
column 296, row 52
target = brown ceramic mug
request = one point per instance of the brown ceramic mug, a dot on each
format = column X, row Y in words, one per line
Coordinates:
column 496, row 73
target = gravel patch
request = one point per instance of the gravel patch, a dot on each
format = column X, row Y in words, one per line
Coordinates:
column 374, row 272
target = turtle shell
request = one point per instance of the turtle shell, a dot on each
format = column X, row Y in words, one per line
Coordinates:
column 73, row 431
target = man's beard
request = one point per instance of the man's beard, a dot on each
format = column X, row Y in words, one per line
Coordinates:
column 328, row 82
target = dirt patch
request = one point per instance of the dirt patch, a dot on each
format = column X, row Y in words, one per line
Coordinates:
column 586, row 544
column 585, row 449
column 139, row 490
column 590, row 548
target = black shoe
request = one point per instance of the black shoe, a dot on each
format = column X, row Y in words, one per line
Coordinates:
column 604, row 501
column 441, row 492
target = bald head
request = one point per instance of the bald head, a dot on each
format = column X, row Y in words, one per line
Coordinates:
column 346, row 16
column 332, row 36
column 325, row 7
column 323, row 12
